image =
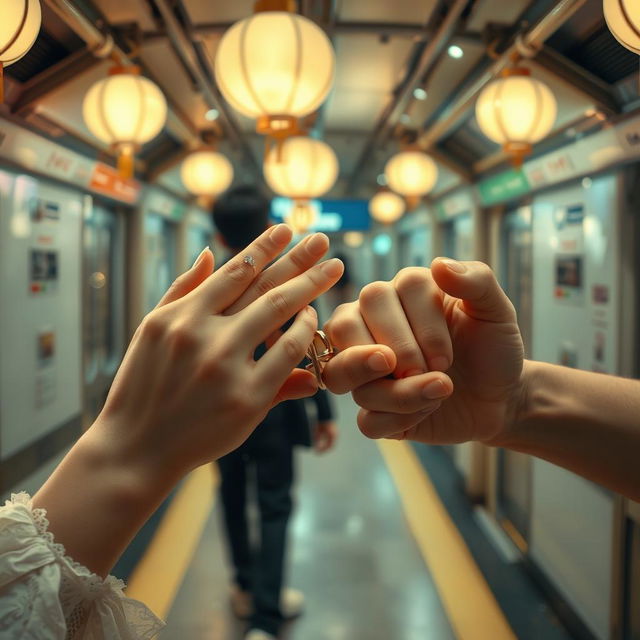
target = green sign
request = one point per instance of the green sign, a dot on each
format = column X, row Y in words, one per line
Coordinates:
column 504, row 186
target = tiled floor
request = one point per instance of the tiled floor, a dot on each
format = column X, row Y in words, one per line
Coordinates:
column 351, row 553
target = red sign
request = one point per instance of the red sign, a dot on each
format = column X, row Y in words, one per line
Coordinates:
column 107, row 180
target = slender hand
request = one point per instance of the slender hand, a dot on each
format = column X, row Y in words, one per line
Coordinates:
column 188, row 391
column 325, row 435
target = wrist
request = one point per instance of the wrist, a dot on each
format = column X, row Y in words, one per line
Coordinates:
column 137, row 474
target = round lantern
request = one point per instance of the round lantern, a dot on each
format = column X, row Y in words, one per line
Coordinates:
column 19, row 29
column 302, row 215
column 304, row 168
column 275, row 66
column 516, row 111
column 623, row 20
column 206, row 173
column 386, row 207
column 125, row 110
column 412, row 174
column 353, row 239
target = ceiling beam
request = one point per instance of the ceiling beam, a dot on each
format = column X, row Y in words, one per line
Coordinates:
column 531, row 40
column 53, row 78
column 191, row 58
column 399, row 99
column 578, row 78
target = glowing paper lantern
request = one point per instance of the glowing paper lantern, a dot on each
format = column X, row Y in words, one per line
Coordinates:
column 623, row 20
column 412, row 174
column 125, row 110
column 353, row 239
column 516, row 111
column 386, row 207
column 302, row 215
column 206, row 173
column 304, row 168
column 275, row 66
column 20, row 22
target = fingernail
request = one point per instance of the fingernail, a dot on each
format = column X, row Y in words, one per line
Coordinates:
column 281, row 233
column 312, row 312
column 439, row 363
column 435, row 390
column 200, row 257
column 378, row 362
column 317, row 243
column 454, row 265
column 332, row 268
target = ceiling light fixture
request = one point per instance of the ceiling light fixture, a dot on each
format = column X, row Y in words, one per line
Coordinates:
column 206, row 173
column 125, row 110
column 387, row 207
column 419, row 93
column 211, row 115
column 623, row 20
column 455, row 51
column 21, row 20
column 412, row 174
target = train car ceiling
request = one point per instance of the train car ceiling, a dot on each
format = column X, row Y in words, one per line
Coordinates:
column 384, row 51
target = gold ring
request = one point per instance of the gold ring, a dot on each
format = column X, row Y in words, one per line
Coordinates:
column 320, row 352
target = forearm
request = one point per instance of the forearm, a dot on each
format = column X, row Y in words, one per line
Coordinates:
column 586, row 422
column 96, row 500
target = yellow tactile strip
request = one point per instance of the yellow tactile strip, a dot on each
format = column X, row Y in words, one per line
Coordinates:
column 159, row 574
column 473, row 611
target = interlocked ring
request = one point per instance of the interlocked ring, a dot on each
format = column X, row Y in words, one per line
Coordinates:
column 320, row 352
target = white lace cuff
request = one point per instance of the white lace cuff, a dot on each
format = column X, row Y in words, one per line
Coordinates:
column 46, row 594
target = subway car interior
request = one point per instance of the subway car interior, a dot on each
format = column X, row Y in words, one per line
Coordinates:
column 477, row 130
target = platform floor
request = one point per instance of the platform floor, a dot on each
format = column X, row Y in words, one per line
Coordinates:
column 372, row 548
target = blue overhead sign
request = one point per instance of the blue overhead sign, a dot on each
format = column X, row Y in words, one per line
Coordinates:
column 332, row 215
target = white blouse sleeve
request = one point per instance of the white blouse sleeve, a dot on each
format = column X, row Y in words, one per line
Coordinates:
column 46, row 595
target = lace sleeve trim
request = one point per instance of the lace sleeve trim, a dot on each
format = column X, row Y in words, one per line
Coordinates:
column 145, row 624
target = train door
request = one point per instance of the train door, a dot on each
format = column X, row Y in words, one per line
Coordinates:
column 513, row 482
column 577, row 305
column 160, row 237
column 103, row 303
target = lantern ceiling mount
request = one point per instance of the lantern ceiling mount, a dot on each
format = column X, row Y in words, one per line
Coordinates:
column 290, row 6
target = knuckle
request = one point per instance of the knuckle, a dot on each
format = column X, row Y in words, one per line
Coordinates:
column 406, row 351
column 299, row 261
column 404, row 402
column 341, row 330
column 277, row 302
column 412, row 278
column 374, row 293
column 264, row 284
column 294, row 349
column 238, row 272
column 434, row 341
column 182, row 336
column 366, row 424
column 153, row 326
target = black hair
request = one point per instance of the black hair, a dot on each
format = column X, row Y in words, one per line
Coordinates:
column 241, row 215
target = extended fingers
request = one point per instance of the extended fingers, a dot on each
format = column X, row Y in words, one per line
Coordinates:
column 276, row 365
column 357, row 366
column 225, row 286
column 272, row 310
column 190, row 280
column 301, row 257
column 405, row 396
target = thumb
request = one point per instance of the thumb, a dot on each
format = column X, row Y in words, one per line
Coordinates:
column 475, row 284
column 202, row 268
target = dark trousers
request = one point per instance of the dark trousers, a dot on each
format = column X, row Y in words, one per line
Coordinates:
column 266, row 457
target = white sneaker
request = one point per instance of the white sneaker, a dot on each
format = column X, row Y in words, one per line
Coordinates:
column 291, row 603
column 258, row 634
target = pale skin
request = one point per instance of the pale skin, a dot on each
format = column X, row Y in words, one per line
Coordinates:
column 450, row 368
column 190, row 359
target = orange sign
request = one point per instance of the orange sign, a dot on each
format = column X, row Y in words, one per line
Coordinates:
column 107, row 181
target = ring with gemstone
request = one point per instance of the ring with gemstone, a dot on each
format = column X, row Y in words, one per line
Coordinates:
column 320, row 352
column 251, row 261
